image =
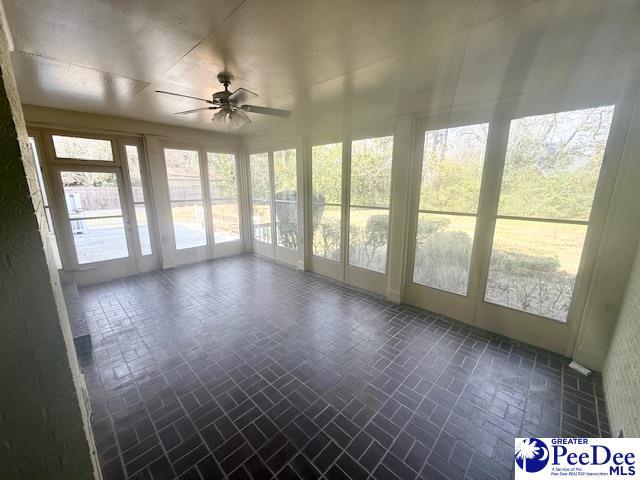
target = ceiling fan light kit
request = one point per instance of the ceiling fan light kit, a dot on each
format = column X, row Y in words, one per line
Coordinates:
column 231, row 105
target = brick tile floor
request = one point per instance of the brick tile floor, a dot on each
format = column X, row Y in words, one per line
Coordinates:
column 243, row 368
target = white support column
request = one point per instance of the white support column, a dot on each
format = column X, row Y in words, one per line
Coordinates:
column 244, row 192
column 399, row 222
column 620, row 233
column 161, row 200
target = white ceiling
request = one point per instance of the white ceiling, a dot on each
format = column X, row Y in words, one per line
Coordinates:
column 314, row 57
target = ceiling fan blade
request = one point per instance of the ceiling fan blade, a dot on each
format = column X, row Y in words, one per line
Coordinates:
column 186, row 112
column 266, row 111
column 242, row 95
column 184, row 96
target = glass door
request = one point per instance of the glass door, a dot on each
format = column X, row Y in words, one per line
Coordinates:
column 327, row 210
column 99, row 204
column 451, row 166
column 351, row 201
column 369, row 204
column 97, row 223
column 275, row 206
column 140, row 206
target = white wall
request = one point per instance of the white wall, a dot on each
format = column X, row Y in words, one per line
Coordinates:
column 45, row 429
column 621, row 372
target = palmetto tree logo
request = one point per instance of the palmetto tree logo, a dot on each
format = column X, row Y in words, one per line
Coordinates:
column 532, row 454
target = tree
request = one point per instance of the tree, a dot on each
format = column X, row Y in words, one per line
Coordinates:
column 526, row 450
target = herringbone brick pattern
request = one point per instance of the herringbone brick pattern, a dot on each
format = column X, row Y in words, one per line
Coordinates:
column 242, row 368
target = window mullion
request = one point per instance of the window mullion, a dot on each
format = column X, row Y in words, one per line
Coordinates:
column 346, row 201
column 272, row 190
column 495, row 154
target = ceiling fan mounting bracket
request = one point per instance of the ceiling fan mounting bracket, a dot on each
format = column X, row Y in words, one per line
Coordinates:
column 225, row 79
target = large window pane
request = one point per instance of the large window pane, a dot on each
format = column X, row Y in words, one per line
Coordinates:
column 286, row 195
column 261, row 196
column 370, row 187
column 223, row 189
column 534, row 265
column 452, row 168
column 185, row 193
column 368, row 238
column 91, row 194
column 551, row 171
column 371, row 172
column 82, row 148
column 326, row 173
column 443, row 251
column 143, row 229
column 135, row 176
column 553, row 163
column 326, row 231
column 99, row 239
column 93, row 205
column 188, row 224
column 183, row 174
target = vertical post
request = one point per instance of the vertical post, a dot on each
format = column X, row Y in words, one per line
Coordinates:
column 399, row 215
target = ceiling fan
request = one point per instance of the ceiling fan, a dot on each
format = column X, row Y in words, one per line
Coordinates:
column 231, row 105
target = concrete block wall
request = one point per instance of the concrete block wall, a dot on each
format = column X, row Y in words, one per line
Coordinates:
column 621, row 374
column 44, row 427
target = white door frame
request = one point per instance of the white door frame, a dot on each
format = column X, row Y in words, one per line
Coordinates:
column 341, row 270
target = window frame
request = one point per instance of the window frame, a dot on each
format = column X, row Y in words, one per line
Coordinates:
column 273, row 249
column 368, row 207
column 414, row 221
column 112, row 139
column 206, row 247
column 225, row 151
column 353, row 275
column 540, row 331
column 588, row 223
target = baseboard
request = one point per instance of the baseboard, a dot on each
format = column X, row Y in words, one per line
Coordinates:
column 394, row 296
column 591, row 360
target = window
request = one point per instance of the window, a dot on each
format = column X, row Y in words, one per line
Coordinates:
column 286, row 198
column 261, row 196
column 326, row 177
column 550, row 175
column 79, row 148
column 45, row 200
column 369, row 205
column 452, row 167
column 185, row 195
column 223, row 191
column 95, row 213
column 135, row 175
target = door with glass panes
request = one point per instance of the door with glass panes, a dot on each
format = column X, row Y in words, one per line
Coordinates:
column 203, row 199
column 100, row 202
column 350, row 203
column 275, row 204
column 503, row 233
